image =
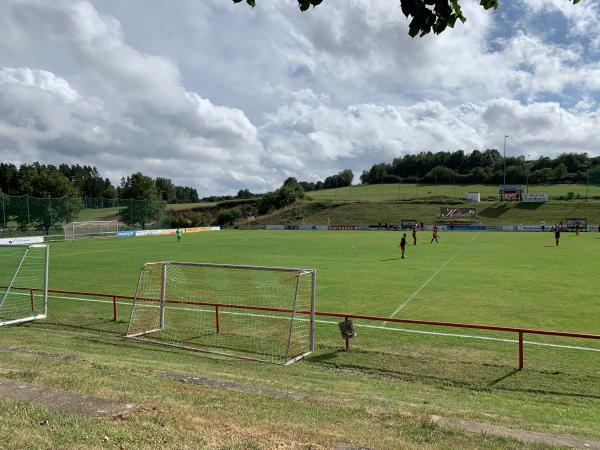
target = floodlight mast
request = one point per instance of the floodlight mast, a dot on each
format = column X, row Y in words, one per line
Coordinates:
column 505, row 137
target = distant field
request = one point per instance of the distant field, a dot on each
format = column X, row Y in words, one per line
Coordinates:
column 389, row 382
column 387, row 192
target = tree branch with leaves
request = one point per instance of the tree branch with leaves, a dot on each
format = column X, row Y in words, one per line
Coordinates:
column 425, row 15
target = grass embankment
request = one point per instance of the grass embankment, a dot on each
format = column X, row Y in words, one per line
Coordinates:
column 489, row 213
column 388, row 192
column 379, row 395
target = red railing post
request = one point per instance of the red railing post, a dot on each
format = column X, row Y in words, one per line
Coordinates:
column 217, row 320
column 114, row 298
column 520, row 350
column 33, row 300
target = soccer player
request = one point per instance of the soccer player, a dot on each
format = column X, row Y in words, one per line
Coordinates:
column 557, row 235
column 435, row 235
column 178, row 234
column 403, row 244
column 414, row 232
column 577, row 228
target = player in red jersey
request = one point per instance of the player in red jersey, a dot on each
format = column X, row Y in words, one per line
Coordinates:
column 403, row 244
column 557, row 235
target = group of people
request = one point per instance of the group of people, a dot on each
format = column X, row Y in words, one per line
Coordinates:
column 434, row 237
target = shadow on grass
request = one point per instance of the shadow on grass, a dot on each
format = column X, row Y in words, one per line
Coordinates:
column 92, row 326
column 528, row 205
column 493, row 212
column 330, row 360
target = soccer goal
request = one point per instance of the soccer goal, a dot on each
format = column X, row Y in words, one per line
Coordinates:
column 23, row 283
column 91, row 229
column 262, row 313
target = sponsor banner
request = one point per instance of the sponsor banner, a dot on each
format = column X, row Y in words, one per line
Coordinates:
column 125, row 233
column 275, row 227
column 214, row 228
column 148, row 232
column 408, row 224
column 22, row 240
column 535, row 197
column 508, row 228
column 363, row 227
column 474, row 197
column 459, row 228
column 530, row 228
column 594, row 228
column 458, row 213
column 169, row 231
column 344, row 227
column 493, row 228
column 314, row 227
column 571, row 224
column 510, row 188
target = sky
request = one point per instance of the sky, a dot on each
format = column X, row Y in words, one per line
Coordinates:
column 224, row 97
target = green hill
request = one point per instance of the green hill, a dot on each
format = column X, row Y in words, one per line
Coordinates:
column 387, row 192
column 489, row 213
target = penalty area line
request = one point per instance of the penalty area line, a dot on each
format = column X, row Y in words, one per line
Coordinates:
column 430, row 279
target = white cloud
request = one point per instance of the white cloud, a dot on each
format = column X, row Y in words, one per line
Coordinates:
column 224, row 97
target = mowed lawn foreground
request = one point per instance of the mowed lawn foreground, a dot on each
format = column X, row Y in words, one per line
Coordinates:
column 379, row 394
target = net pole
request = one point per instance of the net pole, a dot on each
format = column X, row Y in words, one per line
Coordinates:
column 45, row 294
column 313, row 295
column 163, row 288
column 289, row 343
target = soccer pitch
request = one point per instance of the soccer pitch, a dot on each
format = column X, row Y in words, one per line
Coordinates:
column 509, row 279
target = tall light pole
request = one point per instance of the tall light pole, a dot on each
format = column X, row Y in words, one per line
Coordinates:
column 505, row 138
column 527, row 167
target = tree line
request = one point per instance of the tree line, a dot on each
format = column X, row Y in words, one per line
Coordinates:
column 46, row 180
column 484, row 167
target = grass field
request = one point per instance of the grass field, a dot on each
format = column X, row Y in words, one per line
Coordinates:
column 387, row 192
column 380, row 394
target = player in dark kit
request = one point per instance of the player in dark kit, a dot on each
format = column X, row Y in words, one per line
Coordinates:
column 414, row 231
column 435, row 235
column 557, row 235
column 403, row 244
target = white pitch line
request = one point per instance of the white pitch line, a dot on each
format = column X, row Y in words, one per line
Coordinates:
column 430, row 279
column 376, row 327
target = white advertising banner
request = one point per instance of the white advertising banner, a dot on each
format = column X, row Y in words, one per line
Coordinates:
column 275, row 227
column 22, row 240
column 535, row 197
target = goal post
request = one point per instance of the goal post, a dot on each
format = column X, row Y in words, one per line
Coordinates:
column 90, row 229
column 253, row 312
column 23, row 283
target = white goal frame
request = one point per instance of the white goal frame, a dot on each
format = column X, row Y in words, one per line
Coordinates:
column 34, row 293
column 71, row 233
column 297, row 317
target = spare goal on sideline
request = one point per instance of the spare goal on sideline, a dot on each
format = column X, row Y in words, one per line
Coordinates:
column 91, row 229
column 254, row 312
column 23, row 283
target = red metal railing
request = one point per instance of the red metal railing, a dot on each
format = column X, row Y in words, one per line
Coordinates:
column 520, row 331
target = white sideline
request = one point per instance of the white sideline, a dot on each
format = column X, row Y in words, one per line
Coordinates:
column 376, row 327
column 430, row 279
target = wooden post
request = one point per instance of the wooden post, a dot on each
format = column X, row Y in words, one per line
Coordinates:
column 114, row 308
column 217, row 320
column 33, row 300
column 347, row 339
column 521, row 350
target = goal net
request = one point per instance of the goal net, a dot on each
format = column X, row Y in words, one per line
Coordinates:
column 23, row 283
column 262, row 313
column 91, row 229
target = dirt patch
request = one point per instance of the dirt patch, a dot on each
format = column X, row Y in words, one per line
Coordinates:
column 63, row 401
column 11, row 348
column 531, row 437
column 201, row 381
